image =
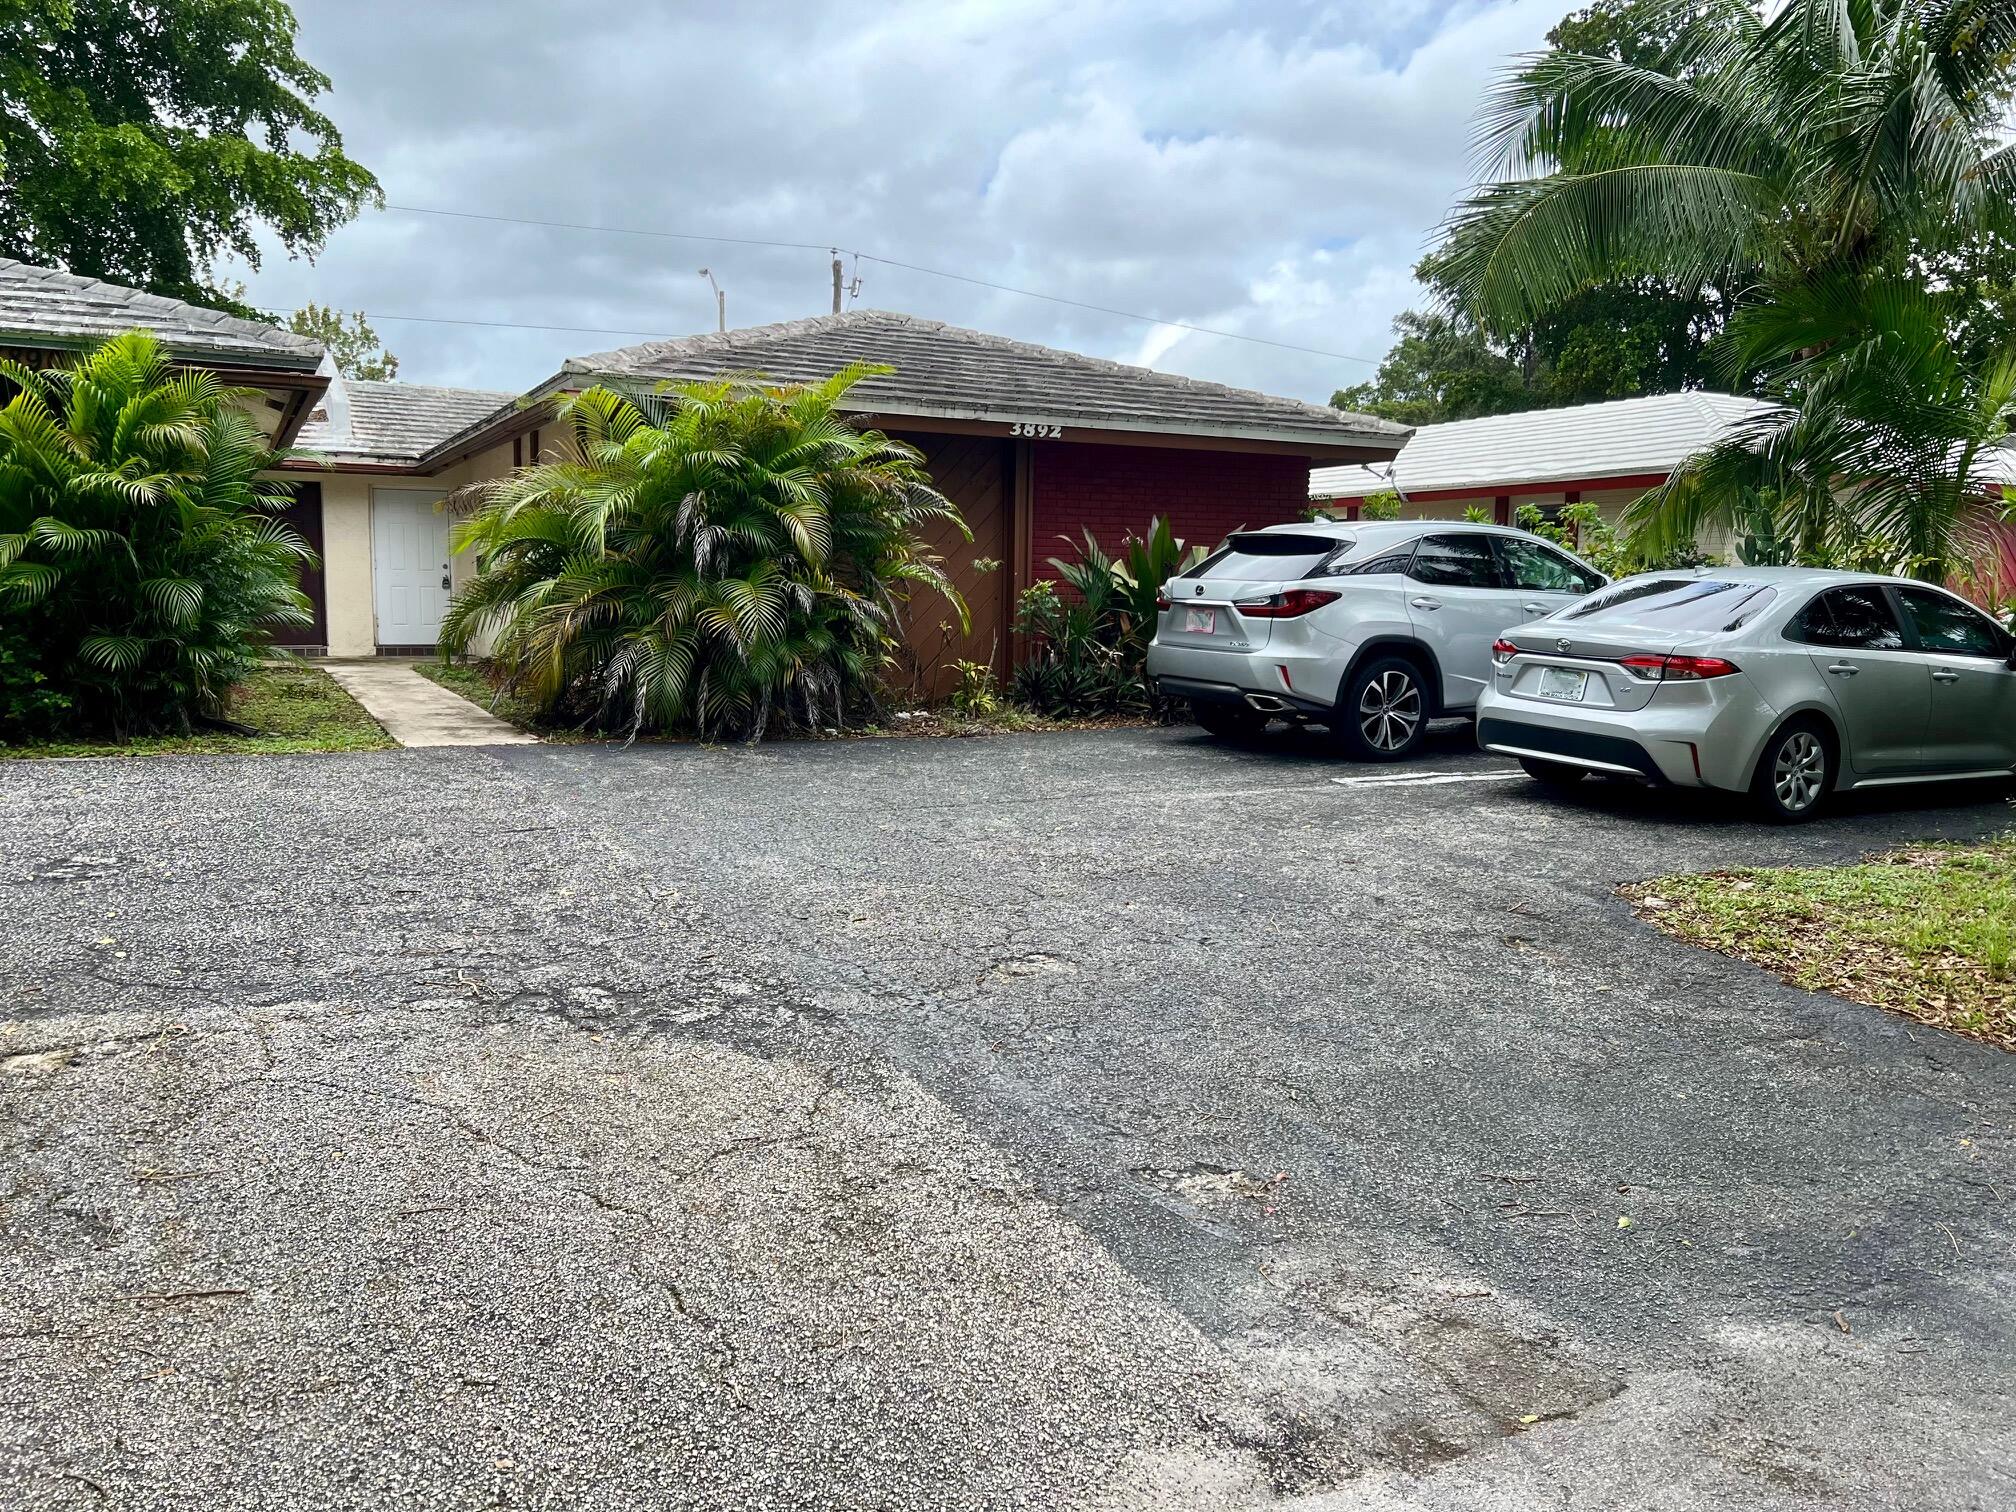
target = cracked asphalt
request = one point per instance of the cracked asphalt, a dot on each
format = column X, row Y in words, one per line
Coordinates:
column 1112, row 1120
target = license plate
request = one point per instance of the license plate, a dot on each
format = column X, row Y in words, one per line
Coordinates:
column 1200, row 621
column 1565, row 683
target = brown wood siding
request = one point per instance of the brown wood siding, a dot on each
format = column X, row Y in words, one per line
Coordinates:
column 974, row 472
column 305, row 515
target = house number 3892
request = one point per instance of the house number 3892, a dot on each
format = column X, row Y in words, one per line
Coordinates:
column 1035, row 428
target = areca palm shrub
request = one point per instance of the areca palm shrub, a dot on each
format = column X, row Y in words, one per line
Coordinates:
column 719, row 558
column 1813, row 162
column 141, row 560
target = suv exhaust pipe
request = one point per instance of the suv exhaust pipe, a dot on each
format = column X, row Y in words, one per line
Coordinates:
column 1266, row 703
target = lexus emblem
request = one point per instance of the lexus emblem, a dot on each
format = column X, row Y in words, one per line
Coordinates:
column 1200, row 588
column 1564, row 646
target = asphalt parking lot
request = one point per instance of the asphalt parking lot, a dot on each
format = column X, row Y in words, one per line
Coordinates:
column 1115, row 1120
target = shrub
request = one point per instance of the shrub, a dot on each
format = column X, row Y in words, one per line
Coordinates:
column 713, row 558
column 1086, row 653
column 140, row 556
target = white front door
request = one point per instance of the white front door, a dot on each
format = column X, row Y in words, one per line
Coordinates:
column 409, row 564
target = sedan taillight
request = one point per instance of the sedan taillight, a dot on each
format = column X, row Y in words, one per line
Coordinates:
column 1677, row 668
column 1290, row 605
column 1502, row 651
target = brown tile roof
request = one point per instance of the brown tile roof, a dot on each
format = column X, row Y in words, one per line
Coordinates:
column 948, row 372
column 40, row 307
column 397, row 422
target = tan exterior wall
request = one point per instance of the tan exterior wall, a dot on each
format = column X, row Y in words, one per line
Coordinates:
column 1716, row 542
column 346, row 541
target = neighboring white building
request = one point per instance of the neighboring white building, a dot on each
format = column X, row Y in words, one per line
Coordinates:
column 1603, row 454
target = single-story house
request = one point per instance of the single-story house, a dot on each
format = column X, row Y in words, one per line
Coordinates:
column 1603, row 454
column 1034, row 444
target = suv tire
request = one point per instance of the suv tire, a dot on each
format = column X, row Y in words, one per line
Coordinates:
column 1382, row 711
column 1795, row 773
column 1228, row 721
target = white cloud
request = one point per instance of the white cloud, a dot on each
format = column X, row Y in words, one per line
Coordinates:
column 1271, row 169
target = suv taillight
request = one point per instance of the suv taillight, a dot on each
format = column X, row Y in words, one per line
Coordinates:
column 1677, row 668
column 1161, row 602
column 1290, row 605
column 1502, row 651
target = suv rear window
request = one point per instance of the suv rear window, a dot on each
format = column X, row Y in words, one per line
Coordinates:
column 1265, row 556
column 1676, row 604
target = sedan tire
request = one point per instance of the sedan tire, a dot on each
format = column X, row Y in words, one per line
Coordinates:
column 1382, row 711
column 1795, row 774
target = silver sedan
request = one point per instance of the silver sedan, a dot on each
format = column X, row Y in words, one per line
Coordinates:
column 1786, row 683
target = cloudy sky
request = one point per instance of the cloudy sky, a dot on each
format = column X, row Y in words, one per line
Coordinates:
column 1254, row 166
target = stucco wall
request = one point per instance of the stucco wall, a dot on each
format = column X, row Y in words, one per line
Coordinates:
column 346, row 542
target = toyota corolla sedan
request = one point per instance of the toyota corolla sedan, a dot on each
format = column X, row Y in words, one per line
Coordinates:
column 1369, row 630
column 1786, row 683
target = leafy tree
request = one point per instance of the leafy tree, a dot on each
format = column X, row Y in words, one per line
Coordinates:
column 1833, row 160
column 137, row 143
column 1442, row 368
column 349, row 340
column 718, row 558
column 140, row 558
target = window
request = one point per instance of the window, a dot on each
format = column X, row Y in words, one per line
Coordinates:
column 1947, row 625
column 1542, row 569
column 1697, row 604
column 1853, row 619
column 1396, row 560
column 1455, row 561
column 1258, row 556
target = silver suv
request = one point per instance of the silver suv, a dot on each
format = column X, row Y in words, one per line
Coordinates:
column 1369, row 629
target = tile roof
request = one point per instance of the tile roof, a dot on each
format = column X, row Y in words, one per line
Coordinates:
column 1616, row 439
column 395, row 422
column 948, row 372
column 42, row 307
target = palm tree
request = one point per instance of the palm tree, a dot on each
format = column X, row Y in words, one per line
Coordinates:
column 710, row 558
column 1816, row 166
column 140, row 556
column 1837, row 134
column 1874, row 456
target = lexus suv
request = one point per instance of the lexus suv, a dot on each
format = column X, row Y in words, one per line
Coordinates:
column 1368, row 629
column 1787, row 683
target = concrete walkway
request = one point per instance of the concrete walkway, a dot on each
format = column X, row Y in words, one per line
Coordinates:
column 417, row 711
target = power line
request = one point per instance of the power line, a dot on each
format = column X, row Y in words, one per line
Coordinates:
column 889, row 262
column 519, row 325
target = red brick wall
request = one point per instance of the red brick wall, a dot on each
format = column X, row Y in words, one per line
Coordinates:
column 1111, row 490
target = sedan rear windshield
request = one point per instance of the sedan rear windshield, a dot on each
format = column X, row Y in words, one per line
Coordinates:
column 1676, row 604
column 1266, row 555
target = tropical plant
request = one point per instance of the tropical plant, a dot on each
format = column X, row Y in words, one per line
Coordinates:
column 715, row 557
column 1874, row 454
column 1086, row 652
column 140, row 556
column 1840, row 164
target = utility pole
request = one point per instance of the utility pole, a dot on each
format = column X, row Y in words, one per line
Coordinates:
column 720, row 300
column 836, row 283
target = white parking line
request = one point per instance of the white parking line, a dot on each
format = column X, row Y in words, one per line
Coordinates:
column 1425, row 779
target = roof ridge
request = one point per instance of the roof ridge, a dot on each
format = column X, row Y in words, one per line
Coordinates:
column 784, row 330
column 141, row 301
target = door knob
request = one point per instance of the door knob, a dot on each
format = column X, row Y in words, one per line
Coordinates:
column 1534, row 608
column 1946, row 675
column 444, row 580
column 1425, row 603
column 1844, row 669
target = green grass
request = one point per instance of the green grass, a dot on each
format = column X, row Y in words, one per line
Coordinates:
column 1929, row 932
column 472, row 681
column 293, row 707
